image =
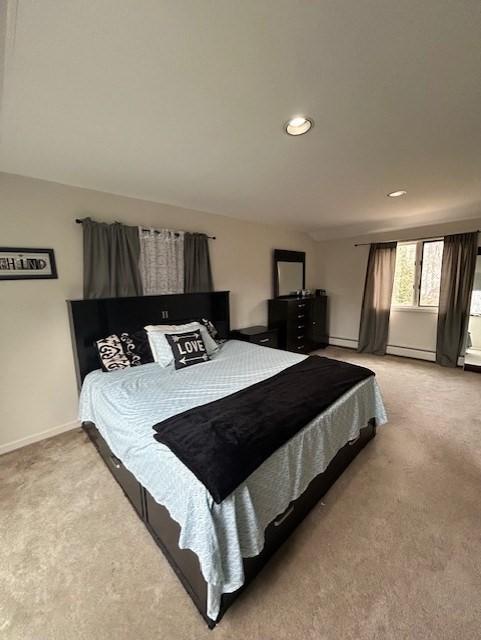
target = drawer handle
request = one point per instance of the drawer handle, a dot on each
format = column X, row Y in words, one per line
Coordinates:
column 265, row 340
column 301, row 306
column 300, row 337
column 115, row 461
column 301, row 346
column 352, row 442
column 300, row 326
column 300, row 315
column 284, row 516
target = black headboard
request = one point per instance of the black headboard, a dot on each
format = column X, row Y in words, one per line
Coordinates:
column 93, row 319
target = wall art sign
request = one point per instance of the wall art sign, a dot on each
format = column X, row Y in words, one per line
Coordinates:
column 27, row 264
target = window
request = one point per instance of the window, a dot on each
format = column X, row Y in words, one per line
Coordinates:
column 476, row 304
column 418, row 274
column 476, row 295
column 404, row 275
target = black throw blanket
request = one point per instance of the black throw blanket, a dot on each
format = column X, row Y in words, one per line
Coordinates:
column 224, row 441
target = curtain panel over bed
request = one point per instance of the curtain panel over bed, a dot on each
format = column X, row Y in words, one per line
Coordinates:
column 120, row 260
column 376, row 303
column 111, row 254
column 198, row 273
column 161, row 261
column 457, row 276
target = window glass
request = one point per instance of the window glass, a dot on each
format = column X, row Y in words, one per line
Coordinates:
column 431, row 273
column 476, row 303
column 476, row 297
column 404, row 275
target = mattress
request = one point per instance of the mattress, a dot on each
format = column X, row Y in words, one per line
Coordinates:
column 124, row 405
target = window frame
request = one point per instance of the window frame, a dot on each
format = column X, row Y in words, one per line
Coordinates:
column 418, row 273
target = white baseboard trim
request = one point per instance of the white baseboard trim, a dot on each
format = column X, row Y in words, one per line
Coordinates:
column 418, row 354
column 392, row 350
column 43, row 435
column 350, row 343
column 408, row 352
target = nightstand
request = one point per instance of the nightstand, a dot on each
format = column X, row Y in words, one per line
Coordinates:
column 257, row 335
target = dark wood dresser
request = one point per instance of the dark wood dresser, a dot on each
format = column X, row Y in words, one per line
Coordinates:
column 301, row 323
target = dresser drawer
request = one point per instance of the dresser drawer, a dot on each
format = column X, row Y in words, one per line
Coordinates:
column 130, row 486
column 296, row 326
column 298, row 306
column 298, row 313
column 297, row 347
column 296, row 334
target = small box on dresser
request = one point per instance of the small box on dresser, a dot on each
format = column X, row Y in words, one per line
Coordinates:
column 257, row 335
column 301, row 322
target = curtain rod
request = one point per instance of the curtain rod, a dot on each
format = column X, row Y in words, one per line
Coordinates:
column 367, row 244
column 80, row 221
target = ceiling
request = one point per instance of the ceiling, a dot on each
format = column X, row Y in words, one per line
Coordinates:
column 184, row 102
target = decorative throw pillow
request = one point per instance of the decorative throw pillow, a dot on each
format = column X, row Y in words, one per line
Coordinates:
column 160, row 347
column 136, row 347
column 210, row 343
column 187, row 348
column 210, row 328
column 111, row 353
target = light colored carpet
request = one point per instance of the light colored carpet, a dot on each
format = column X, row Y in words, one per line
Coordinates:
column 393, row 553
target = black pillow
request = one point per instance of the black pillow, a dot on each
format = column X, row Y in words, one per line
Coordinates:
column 210, row 328
column 136, row 347
column 188, row 348
column 111, row 353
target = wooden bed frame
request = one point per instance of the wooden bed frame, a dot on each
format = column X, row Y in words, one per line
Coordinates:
column 91, row 320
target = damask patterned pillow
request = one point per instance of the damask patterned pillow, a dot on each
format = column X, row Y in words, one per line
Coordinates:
column 111, row 353
column 136, row 347
column 187, row 348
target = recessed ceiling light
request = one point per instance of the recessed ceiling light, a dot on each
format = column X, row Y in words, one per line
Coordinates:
column 397, row 194
column 298, row 125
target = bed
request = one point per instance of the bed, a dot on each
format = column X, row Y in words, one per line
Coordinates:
column 216, row 549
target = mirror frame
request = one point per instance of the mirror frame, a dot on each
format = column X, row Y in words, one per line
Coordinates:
column 283, row 255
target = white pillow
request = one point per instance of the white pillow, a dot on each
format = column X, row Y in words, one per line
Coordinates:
column 160, row 347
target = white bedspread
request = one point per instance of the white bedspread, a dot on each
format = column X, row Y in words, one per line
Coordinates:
column 124, row 405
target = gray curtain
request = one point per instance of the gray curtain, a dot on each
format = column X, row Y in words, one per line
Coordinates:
column 197, row 271
column 457, row 276
column 376, row 303
column 111, row 260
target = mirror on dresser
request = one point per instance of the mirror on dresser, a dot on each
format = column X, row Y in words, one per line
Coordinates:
column 289, row 270
column 300, row 320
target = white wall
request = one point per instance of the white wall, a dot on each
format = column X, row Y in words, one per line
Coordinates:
column 38, row 393
column 37, row 384
column 343, row 269
column 475, row 321
column 413, row 329
column 475, row 331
